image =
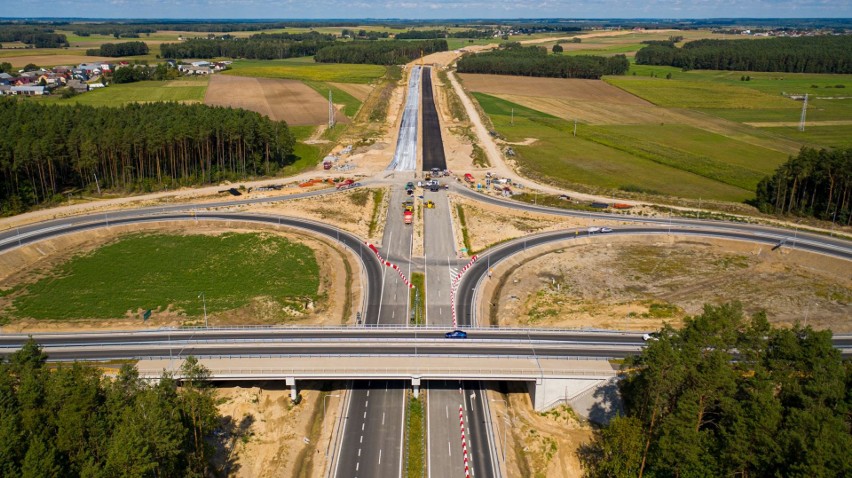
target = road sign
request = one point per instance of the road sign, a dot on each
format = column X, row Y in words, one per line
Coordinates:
column 146, row 315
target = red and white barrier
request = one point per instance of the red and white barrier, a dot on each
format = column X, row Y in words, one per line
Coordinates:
column 453, row 288
column 464, row 443
column 389, row 264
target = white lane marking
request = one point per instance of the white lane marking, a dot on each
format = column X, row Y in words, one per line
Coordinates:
column 365, row 414
column 447, row 409
column 362, row 426
column 393, row 314
column 383, row 418
column 357, row 465
column 380, row 456
column 368, row 393
column 359, row 452
column 449, row 449
column 440, row 311
column 367, row 404
column 361, row 440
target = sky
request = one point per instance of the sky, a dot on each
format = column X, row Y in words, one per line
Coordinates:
column 433, row 9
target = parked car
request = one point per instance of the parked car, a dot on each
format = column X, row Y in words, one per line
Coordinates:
column 456, row 334
column 606, row 229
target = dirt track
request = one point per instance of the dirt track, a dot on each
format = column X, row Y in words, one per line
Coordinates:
column 281, row 100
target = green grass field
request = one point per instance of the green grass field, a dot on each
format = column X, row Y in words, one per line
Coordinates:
column 158, row 271
column 350, row 103
column 307, row 70
column 758, row 100
column 308, row 155
column 188, row 89
column 665, row 159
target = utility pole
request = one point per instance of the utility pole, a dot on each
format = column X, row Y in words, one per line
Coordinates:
column 575, row 127
column 513, row 116
column 330, row 111
column 804, row 113
column 97, row 185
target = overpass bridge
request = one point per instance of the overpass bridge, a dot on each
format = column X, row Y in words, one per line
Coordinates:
column 549, row 380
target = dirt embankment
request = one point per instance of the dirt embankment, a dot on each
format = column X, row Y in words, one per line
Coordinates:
column 270, row 436
column 539, row 445
column 629, row 283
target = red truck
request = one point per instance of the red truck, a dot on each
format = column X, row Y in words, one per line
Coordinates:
column 407, row 216
column 469, row 178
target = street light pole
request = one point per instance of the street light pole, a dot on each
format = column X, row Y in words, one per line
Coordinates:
column 204, row 304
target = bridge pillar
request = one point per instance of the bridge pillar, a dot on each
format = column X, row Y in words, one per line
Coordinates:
column 415, row 385
column 291, row 382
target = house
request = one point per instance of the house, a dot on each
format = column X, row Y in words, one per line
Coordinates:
column 27, row 90
column 5, row 90
column 90, row 69
column 78, row 86
column 195, row 70
column 22, row 81
column 200, row 63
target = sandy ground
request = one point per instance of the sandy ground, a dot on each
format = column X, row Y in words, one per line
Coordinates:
column 537, row 444
column 488, row 225
column 30, row 263
column 272, row 437
column 281, row 100
column 638, row 284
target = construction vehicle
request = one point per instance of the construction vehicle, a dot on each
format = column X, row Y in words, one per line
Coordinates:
column 469, row 178
column 345, row 184
column 326, row 165
column 430, row 204
column 407, row 216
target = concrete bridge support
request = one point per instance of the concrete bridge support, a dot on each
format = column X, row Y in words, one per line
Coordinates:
column 415, row 385
column 596, row 399
column 294, row 393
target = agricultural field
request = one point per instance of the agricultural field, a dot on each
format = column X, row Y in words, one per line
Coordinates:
column 281, row 100
column 648, row 152
column 306, row 70
column 184, row 90
column 167, row 273
column 759, row 102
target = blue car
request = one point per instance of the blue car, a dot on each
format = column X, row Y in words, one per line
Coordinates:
column 456, row 334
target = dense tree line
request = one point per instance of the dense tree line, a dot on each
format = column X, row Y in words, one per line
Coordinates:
column 513, row 59
column 391, row 52
column 727, row 396
column 815, row 183
column 817, row 54
column 421, row 35
column 38, row 37
column 472, row 34
column 46, row 150
column 130, row 48
column 252, row 48
column 133, row 29
column 72, row 421
column 363, row 34
column 303, row 36
column 133, row 73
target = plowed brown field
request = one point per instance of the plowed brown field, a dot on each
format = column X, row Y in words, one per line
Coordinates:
column 288, row 100
column 589, row 101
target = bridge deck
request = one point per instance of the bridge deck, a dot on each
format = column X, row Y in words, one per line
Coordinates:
column 425, row 368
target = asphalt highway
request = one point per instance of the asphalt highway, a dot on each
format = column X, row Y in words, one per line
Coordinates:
column 405, row 156
column 433, row 143
column 376, row 448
